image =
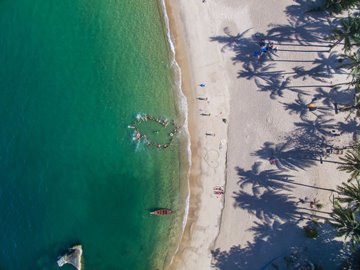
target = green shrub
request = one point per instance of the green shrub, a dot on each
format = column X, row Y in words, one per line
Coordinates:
column 311, row 231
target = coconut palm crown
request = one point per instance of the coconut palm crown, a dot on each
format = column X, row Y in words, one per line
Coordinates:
column 346, row 224
column 349, row 193
column 351, row 163
column 348, row 32
column 338, row 6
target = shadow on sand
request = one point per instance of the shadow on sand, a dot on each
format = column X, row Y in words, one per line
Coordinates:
column 267, row 194
column 274, row 241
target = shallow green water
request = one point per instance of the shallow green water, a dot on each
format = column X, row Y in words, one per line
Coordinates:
column 74, row 74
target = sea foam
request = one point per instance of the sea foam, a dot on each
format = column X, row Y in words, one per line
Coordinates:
column 184, row 109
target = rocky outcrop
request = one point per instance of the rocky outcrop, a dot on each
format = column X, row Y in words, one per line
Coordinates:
column 72, row 256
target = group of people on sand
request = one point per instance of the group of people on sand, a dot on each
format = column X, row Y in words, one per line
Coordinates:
column 164, row 122
column 266, row 46
column 218, row 191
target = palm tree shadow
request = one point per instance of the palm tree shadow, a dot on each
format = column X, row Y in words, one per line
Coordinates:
column 303, row 26
column 262, row 179
column 289, row 156
column 317, row 128
column 299, row 106
column 253, row 70
column 352, row 126
column 335, row 95
column 302, row 138
column 324, row 68
column 268, row 80
column 304, row 11
column 275, row 241
column 265, row 229
column 304, row 29
column 299, row 31
column 230, row 41
column 241, row 45
column 269, row 205
column 275, row 86
column 303, row 147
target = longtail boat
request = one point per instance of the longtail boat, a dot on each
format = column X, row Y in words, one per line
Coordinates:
column 162, row 212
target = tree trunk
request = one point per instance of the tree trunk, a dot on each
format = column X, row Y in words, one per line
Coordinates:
column 333, row 45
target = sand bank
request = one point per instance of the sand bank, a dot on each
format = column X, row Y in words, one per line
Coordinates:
column 250, row 113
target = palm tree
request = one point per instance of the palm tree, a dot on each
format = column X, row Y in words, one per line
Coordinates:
column 356, row 106
column 350, row 194
column 354, row 65
column 338, row 6
column 351, row 62
column 357, row 101
column 352, row 163
column 346, row 224
column 347, row 32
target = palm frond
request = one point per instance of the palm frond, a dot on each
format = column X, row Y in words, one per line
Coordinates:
column 338, row 6
column 352, row 163
column 348, row 32
column 349, row 193
column 345, row 222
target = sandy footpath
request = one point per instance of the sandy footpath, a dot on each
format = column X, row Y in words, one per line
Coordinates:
column 252, row 128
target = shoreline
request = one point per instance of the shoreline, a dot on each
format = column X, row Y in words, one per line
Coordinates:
column 180, row 57
column 184, row 111
column 197, row 174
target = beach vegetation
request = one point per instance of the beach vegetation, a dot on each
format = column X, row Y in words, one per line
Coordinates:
column 355, row 81
column 318, row 267
column 345, row 215
column 319, row 206
column 353, row 262
column 349, row 193
column 311, row 230
column 352, row 63
column 344, row 219
column 351, row 163
column 339, row 6
column 348, row 32
column 353, row 107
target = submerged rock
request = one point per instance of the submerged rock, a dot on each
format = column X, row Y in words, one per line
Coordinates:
column 72, row 256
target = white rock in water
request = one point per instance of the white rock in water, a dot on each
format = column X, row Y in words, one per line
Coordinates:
column 73, row 257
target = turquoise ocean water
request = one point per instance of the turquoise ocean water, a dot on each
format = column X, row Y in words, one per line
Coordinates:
column 73, row 75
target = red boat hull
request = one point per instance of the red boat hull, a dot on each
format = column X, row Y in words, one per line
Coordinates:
column 162, row 212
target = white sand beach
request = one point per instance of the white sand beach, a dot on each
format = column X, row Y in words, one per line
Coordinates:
column 252, row 132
